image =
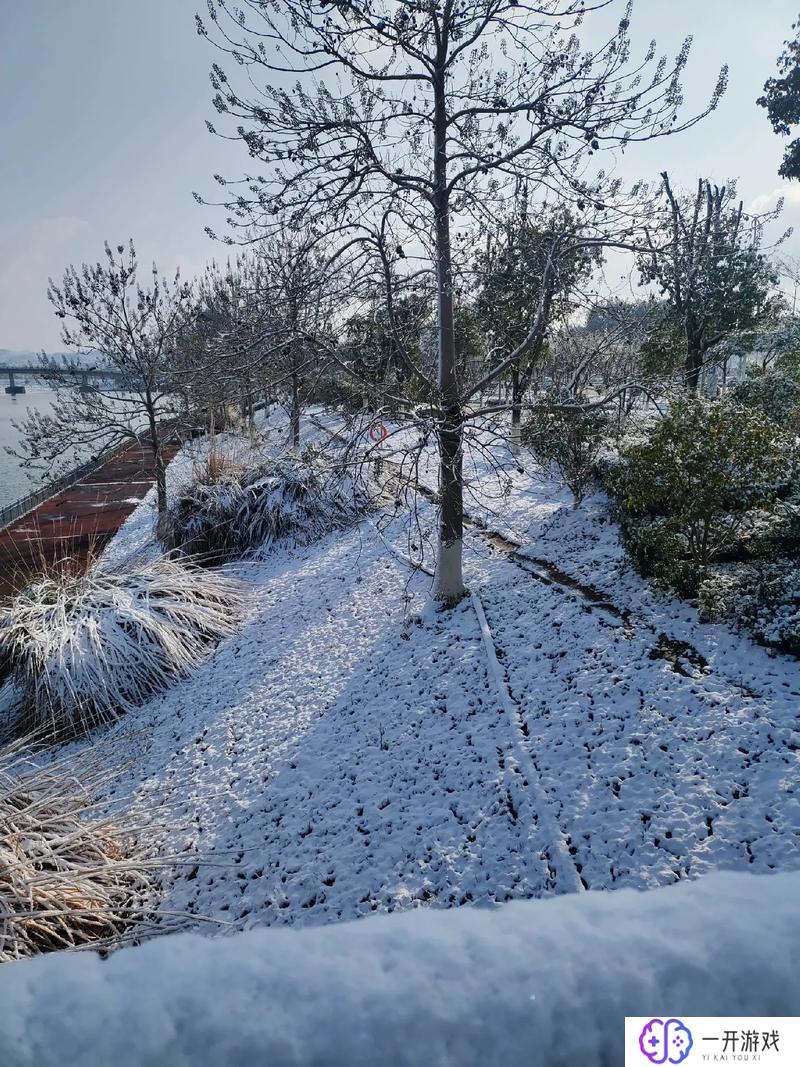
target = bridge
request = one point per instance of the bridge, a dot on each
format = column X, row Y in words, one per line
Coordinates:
column 82, row 376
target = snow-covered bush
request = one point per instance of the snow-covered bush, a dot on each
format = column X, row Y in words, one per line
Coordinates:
column 768, row 535
column 199, row 519
column 570, row 440
column 782, row 539
column 762, row 598
column 774, row 394
column 295, row 500
column 67, row 878
column 85, row 648
column 660, row 552
column 686, row 491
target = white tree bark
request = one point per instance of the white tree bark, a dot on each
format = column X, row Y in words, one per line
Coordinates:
column 514, row 437
column 448, row 585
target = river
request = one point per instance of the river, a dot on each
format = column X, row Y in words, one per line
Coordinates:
column 15, row 482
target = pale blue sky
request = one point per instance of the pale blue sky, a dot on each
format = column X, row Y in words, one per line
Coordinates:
column 102, row 131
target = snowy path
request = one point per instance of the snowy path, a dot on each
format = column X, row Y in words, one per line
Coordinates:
column 660, row 763
column 347, row 752
column 713, row 761
column 337, row 757
column 531, row 800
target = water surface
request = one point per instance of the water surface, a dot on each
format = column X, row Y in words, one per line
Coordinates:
column 15, row 482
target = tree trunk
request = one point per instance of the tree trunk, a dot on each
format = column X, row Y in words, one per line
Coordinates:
column 516, row 412
column 295, row 407
column 395, row 359
column 161, row 480
column 694, row 362
column 449, row 580
column 159, row 466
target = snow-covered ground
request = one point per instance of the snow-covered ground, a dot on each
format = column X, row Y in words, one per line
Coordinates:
column 349, row 751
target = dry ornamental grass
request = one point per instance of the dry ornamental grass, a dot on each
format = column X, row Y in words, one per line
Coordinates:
column 84, row 649
column 67, row 878
column 229, row 511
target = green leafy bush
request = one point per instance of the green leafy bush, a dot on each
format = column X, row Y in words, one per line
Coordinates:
column 571, row 441
column 702, row 469
column 783, row 537
column 769, row 535
column 773, row 394
column 660, row 553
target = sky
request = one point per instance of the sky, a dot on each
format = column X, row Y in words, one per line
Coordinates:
column 103, row 136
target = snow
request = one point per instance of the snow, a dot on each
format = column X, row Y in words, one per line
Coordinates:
column 529, row 795
column 532, row 982
column 351, row 751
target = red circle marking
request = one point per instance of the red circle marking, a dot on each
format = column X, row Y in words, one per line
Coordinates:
column 378, row 432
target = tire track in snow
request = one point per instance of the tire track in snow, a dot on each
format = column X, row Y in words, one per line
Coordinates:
column 567, row 876
column 510, row 770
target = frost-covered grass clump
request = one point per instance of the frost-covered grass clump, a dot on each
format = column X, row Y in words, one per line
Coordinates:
column 84, row 649
column 67, row 878
column 241, row 510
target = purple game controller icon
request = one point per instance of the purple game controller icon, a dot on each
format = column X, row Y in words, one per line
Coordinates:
column 665, row 1041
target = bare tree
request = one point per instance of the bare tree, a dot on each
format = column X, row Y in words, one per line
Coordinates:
column 708, row 263
column 255, row 331
column 220, row 356
column 296, row 299
column 441, row 108
column 392, row 311
column 133, row 329
column 610, row 351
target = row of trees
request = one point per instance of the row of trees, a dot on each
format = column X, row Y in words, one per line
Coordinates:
column 291, row 319
column 422, row 225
